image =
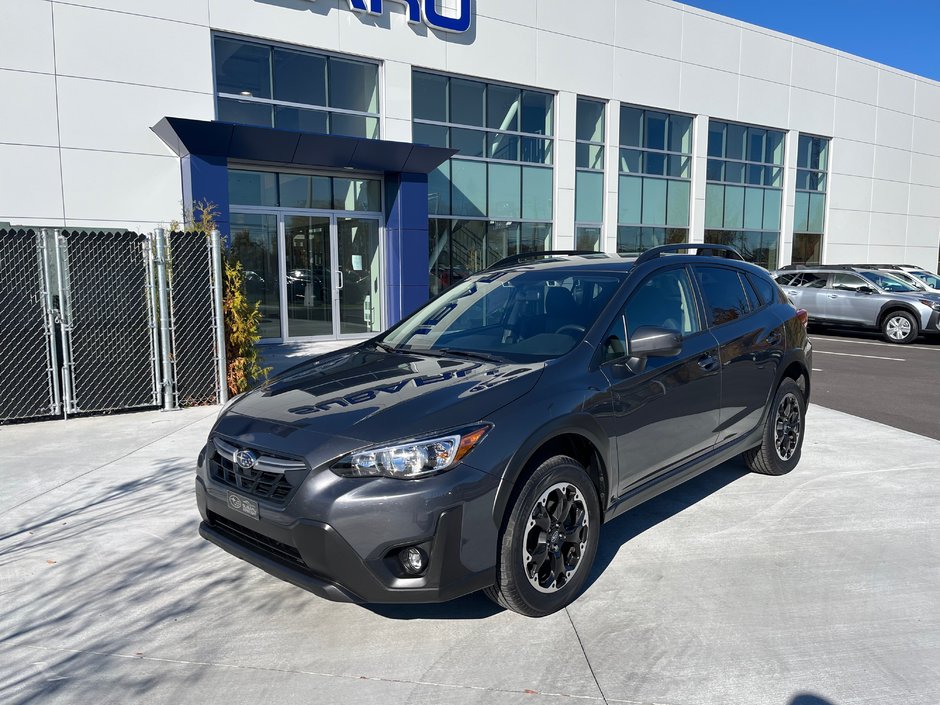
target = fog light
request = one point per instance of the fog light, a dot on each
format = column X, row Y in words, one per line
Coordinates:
column 412, row 560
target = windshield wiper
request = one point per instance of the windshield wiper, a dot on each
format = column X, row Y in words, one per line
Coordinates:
column 386, row 347
column 473, row 354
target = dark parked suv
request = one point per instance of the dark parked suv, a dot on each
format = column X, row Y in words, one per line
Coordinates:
column 482, row 442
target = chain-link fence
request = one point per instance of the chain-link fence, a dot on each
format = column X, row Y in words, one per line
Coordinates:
column 192, row 319
column 107, row 312
column 26, row 344
column 106, row 321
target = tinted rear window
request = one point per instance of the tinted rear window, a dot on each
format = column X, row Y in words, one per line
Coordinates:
column 766, row 289
column 725, row 299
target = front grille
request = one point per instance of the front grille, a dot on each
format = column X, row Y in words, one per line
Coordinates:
column 273, row 478
column 266, row 485
column 265, row 544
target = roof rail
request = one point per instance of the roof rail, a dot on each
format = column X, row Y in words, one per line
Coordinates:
column 700, row 247
column 796, row 267
column 523, row 256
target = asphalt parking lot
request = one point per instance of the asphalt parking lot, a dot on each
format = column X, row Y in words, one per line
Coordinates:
column 819, row 587
column 898, row 385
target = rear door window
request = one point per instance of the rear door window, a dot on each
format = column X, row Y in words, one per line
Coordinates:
column 766, row 289
column 725, row 298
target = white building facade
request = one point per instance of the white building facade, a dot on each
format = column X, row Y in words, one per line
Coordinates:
column 602, row 124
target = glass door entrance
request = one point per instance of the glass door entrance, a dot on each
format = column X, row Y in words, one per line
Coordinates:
column 307, row 282
column 315, row 275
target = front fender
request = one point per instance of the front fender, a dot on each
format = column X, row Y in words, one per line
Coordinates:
column 578, row 424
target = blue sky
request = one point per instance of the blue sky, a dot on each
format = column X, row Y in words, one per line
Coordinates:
column 900, row 33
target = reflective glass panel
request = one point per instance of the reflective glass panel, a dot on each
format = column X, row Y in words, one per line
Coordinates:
column 590, row 121
column 589, row 197
column 354, row 85
column 254, row 244
column 242, row 68
column 354, row 125
column 357, row 194
column 299, row 77
column 252, row 188
column 244, row 112
column 360, row 270
column 466, row 102
column 468, row 187
column 300, row 191
column 502, row 107
column 537, row 193
column 301, row 120
column 505, row 185
column 429, row 96
column 309, row 283
column 536, row 113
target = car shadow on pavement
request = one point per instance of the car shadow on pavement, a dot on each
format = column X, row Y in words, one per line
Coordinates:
column 809, row 699
column 613, row 537
column 647, row 515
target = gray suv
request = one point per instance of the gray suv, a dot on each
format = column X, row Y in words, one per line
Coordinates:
column 844, row 295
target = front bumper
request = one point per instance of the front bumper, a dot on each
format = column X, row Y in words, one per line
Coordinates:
column 339, row 538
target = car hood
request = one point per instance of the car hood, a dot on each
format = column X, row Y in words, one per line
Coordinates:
column 362, row 395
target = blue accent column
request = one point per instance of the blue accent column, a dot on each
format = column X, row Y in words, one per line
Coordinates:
column 206, row 179
column 406, row 244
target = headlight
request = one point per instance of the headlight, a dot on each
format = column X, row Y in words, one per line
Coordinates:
column 413, row 459
column 933, row 304
column 228, row 404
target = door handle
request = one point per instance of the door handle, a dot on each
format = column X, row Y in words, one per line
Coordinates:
column 339, row 276
column 833, row 296
column 793, row 293
column 708, row 362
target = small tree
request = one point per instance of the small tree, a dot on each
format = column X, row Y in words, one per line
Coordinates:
column 242, row 317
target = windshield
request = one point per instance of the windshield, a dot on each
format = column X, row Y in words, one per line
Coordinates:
column 521, row 316
column 886, row 282
column 931, row 280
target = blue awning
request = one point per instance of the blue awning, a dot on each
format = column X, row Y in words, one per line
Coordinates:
column 267, row 144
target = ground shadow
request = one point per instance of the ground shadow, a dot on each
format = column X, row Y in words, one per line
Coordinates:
column 809, row 699
column 613, row 537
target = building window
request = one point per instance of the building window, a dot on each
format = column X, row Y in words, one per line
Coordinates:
column 589, row 174
column 274, row 190
column 258, row 84
column 655, row 179
column 495, row 197
column 744, row 190
column 809, row 214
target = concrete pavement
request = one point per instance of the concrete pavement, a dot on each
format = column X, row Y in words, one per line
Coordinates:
column 822, row 586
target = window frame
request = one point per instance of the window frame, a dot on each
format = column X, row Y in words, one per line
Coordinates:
column 271, row 45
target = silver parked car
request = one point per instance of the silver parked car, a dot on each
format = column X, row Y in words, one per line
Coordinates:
column 843, row 295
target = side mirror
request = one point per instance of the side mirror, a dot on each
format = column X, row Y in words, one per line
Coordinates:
column 652, row 341
column 865, row 290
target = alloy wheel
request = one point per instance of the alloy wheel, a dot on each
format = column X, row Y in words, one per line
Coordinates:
column 555, row 537
column 898, row 328
column 788, row 425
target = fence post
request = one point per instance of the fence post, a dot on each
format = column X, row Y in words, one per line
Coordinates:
column 51, row 321
column 164, row 307
column 60, row 248
column 215, row 244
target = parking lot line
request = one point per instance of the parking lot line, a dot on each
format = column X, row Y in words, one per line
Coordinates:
column 817, row 339
column 869, row 357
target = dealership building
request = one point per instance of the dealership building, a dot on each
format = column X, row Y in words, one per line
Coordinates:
column 361, row 155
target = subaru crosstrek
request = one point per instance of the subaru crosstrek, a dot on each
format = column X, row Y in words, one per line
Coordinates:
column 481, row 442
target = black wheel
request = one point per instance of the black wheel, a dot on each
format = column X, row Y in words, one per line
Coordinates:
column 900, row 327
column 548, row 546
column 779, row 452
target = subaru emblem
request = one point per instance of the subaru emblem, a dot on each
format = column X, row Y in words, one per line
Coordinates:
column 246, row 459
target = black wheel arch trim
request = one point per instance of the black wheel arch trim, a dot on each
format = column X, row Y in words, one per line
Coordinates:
column 583, row 425
column 898, row 305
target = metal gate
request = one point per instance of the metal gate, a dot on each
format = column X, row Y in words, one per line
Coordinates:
column 93, row 322
column 27, row 349
column 109, row 355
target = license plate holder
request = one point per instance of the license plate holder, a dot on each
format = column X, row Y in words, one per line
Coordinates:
column 243, row 505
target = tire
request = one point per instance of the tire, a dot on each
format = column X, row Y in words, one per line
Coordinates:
column 778, row 455
column 900, row 327
column 540, row 502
